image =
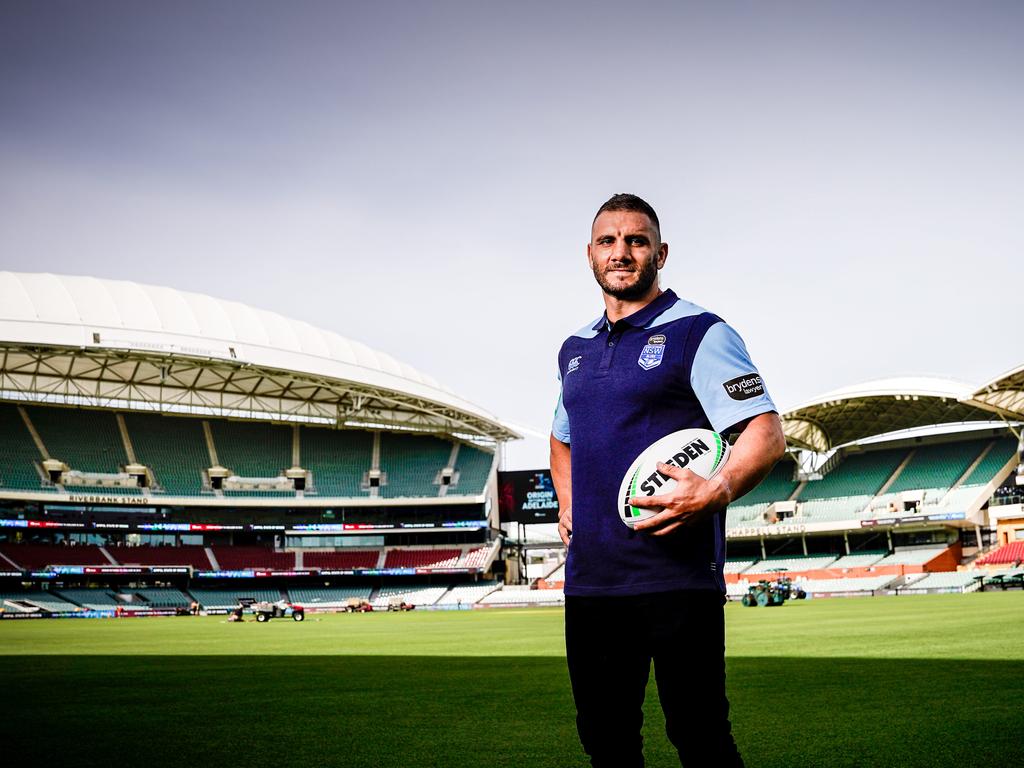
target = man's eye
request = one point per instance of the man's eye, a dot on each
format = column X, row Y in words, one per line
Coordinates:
column 637, row 241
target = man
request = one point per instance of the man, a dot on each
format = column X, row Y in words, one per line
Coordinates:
column 650, row 365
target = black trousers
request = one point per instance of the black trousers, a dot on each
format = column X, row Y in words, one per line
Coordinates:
column 610, row 643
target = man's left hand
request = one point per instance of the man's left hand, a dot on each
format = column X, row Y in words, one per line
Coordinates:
column 690, row 501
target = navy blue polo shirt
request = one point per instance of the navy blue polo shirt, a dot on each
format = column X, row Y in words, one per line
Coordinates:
column 671, row 365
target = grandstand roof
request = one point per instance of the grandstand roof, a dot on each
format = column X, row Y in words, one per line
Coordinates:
column 1003, row 395
column 86, row 340
column 860, row 411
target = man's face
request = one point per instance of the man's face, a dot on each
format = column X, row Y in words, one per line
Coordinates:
column 625, row 252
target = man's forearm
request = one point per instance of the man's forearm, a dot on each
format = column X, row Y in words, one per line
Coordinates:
column 561, row 472
column 756, row 451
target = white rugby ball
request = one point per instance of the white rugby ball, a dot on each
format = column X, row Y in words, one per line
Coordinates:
column 700, row 450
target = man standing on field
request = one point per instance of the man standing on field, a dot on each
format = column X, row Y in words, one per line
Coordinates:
column 650, row 365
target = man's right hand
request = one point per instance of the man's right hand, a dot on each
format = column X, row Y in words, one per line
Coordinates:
column 565, row 525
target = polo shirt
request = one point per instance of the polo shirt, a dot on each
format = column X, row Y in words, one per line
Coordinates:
column 671, row 365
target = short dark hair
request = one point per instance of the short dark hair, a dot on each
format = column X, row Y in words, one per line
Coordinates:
column 624, row 201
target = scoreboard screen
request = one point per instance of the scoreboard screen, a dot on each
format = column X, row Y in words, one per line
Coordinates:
column 527, row 496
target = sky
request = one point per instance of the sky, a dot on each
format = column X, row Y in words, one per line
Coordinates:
column 842, row 182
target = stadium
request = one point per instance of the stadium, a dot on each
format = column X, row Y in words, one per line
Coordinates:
column 168, row 459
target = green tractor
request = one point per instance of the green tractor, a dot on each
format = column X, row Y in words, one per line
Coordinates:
column 765, row 594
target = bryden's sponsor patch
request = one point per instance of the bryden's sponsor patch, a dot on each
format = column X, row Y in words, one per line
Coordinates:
column 744, row 387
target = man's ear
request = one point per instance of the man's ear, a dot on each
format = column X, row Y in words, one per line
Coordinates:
column 662, row 255
column 590, row 258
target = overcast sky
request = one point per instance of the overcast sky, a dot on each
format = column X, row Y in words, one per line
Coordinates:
column 844, row 184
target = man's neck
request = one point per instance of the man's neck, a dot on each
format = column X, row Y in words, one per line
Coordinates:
column 616, row 309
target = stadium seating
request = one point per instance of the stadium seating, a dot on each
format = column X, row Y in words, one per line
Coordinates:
column 1008, row 554
column 521, row 595
column 476, row 557
column 745, row 514
column 414, row 595
column 47, row 601
column 174, row 448
column 799, row 563
column 19, row 456
column 859, row 474
column 242, row 558
column 777, row 486
column 328, row 597
column 35, row 557
column 556, row 575
column 422, row 558
column 85, row 440
column 338, row 459
column 858, row 560
column 864, row 585
column 229, row 598
column 474, row 467
column 833, row 509
column 164, row 597
column 412, row 464
column 1002, row 451
column 937, row 466
column 954, row 581
column 190, row 555
column 342, row 560
column 93, row 599
column 911, row 556
column 737, row 566
column 468, row 594
column 252, row 448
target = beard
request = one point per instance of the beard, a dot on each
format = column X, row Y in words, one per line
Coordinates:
column 646, row 276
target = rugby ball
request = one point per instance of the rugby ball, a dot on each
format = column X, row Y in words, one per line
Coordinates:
column 700, row 450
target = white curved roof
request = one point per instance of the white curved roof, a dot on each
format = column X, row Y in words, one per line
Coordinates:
column 879, row 407
column 90, row 313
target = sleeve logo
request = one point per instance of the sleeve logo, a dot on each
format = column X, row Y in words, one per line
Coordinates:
column 744, row 387
column 573, row 364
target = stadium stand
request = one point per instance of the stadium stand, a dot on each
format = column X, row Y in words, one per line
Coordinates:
column 190, row 555
column 337, row 459
column 412, row 463
column 164, row 597
column 917, row 556
column 240, row 558
column 831, row 510
column 19, row 456
column 251, row 448
column 938, row 466
column 468, row 594
column 85, row 440
column 422, row 558
column 777, row 486
column 328, row 597
column 865, row 585
column 93, row 599
column 859, row 474
column 858, row 560
column 47, row 601
column 745, row 514
column 474, row 467
column 523, row 595
column 36, row 557
column 174, row 448
column 1002, row 451
column 776, row 564
column 953, row 581
column 737, row 566
column 1008, row 554
column 476, row 557
column 342, row 560
column 414, row 595
column 229, row 598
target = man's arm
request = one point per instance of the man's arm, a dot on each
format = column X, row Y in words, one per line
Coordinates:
column 561, row 474
column 759, row 446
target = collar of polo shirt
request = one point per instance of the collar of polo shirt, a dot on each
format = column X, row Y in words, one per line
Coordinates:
column 642, row 316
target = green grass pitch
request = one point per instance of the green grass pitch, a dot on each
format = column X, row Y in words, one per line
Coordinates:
column 908, row 681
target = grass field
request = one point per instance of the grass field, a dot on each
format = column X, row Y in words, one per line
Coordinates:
column 910, row 681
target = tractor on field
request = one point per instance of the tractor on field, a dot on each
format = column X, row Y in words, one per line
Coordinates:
column 766, row 594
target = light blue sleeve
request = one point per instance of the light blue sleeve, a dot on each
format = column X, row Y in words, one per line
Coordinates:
column 560, row 424
column 723, row 377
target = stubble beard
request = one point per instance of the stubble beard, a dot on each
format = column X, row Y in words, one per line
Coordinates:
column 645, row 278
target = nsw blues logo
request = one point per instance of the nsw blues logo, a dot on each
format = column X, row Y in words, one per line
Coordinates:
column 574, row 364
column 652, row 353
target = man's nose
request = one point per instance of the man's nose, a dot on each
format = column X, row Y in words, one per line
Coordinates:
column 620, row 251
